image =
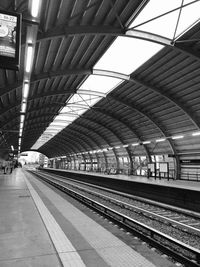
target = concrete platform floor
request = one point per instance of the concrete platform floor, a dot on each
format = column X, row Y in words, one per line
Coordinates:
column 24, row 240
column 185, row 184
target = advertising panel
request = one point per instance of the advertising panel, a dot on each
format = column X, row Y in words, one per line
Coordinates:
column 9, row 39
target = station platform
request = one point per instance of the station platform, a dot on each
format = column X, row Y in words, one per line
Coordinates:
column 180, row 193
column 41, row 227
column 182, row 184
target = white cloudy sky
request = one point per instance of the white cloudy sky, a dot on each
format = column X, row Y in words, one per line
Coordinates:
column 32, row 156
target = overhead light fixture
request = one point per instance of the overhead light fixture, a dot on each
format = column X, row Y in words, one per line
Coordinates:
column 135, row 144
column 196, row 134
column 177, row 137
column 12, row 148
column 25, row 90
column 160, row 140
column 23, row 107
column 146, row 142
column 21, row 125
column 35, row 5
column 22, row 117
column 29, row 57
column 125, row 145
column 117, row 147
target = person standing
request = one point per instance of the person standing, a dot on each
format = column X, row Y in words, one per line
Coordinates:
column 4, row 166
column 11, row 165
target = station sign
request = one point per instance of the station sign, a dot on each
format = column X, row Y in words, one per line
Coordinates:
column 24, row 154
column 10, row 37
column 190, row 162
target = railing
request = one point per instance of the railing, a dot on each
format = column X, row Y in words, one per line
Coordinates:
column 190, row 172
column 190, row 176
column 126, row 171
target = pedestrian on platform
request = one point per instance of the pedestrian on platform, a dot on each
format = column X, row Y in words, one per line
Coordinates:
column 4, row 166
column 11, row 165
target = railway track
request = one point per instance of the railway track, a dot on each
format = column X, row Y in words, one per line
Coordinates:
column 153, row 222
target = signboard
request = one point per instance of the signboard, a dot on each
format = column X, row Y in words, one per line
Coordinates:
column 190, row 161
column 164, row 167
column 10, row 30
column 23, row 154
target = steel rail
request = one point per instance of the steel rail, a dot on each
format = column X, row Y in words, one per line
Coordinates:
column 156, row 214
column 192, row 214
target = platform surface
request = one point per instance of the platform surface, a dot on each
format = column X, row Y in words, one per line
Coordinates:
column 40, row 228
column 24, row 240
column 186, row 184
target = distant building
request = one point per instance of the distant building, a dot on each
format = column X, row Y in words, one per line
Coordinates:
column 43, row 161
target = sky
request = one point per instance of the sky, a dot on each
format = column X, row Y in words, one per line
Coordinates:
column 32, row 156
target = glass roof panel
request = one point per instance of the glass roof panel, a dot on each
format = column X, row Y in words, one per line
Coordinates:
column 87, row 97
column 165, row 25
column 189, row 15
column 65, row 121
column 58, row 123
column 80, row 111
column 75, row 99
column 37, row 145
column 45, row 138
column 66, row 110
column 56, row 127
column 51, row 130
column 90, row 93
column 75, row 111
column 102, row 84
column 84, row 100
column 65, row 117
column 124, row 55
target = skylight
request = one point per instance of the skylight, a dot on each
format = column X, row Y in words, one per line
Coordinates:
column 76, row 106
column 186, row 20
column 56, row 122
column 166, row 25
column 101, row 84
column 124, row 56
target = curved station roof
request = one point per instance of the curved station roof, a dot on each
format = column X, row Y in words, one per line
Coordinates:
column 108, row 76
